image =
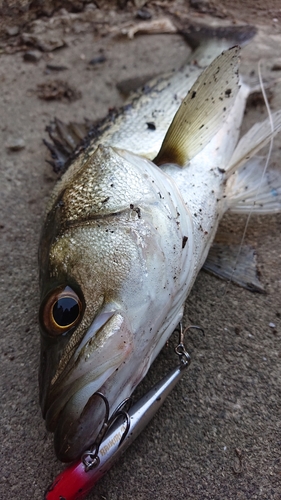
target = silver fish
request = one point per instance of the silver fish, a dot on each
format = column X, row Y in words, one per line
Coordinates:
column 125, row 237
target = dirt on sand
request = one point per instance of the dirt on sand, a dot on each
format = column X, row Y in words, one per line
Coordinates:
column 218, row 436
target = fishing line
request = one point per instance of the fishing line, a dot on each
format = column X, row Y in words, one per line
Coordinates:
column 261, row 180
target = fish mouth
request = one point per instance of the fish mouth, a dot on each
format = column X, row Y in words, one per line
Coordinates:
column 71, row 407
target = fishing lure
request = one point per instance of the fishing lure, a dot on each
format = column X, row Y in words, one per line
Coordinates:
column 117, row 433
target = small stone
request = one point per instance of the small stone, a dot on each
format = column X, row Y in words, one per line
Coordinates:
column 12, row 30
column 89, row 7
column 32, row 56
column 143, row 14
column 56, row 67
column 272, row 325
column 15, row 144
column 98, row 59
column 45, row 42
column 276, row 66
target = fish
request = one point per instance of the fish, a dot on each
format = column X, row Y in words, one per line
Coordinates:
column 129, row 225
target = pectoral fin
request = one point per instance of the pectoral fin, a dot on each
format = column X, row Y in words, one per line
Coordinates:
column 203, row 110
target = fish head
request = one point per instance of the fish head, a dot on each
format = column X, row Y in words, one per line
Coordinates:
column 104, row 278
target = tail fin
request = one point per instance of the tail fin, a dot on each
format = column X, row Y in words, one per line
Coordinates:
column 207, row 43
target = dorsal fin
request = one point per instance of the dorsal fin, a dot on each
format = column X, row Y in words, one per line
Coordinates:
column 203, row 110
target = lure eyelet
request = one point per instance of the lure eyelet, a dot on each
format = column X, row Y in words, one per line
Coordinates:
column 60, row 311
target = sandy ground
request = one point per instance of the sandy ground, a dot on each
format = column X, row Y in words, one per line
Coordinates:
column 218, row 435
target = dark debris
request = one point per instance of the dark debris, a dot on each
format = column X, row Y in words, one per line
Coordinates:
column 57, row 90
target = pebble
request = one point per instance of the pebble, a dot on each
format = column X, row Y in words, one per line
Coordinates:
column 98, row 59
column 276, row 66
column 32, row 55
column 56, row 67
column 272, row 325
column 15, row 144
column 143, row 14
column 45, row 42
column 12, row 30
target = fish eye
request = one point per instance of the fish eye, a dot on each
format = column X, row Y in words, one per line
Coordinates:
column 60, row 311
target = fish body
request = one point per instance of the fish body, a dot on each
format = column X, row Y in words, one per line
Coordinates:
column 125, row 237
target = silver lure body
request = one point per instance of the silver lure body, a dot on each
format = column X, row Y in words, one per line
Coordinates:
column 77, row 481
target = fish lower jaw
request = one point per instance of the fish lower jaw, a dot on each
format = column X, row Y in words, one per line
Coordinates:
column 78, row 426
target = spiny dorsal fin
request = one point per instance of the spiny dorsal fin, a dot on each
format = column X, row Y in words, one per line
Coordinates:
column 203, row 110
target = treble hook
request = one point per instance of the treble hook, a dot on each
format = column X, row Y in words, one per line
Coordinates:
column 90, row 458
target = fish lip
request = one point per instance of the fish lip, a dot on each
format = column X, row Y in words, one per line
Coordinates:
column 71, row 395
column 51, row 392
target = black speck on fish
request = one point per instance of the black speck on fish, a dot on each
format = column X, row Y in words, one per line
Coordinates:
column 146, row 89
column 137, row 210
column 151, row 125
column 184, row 240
